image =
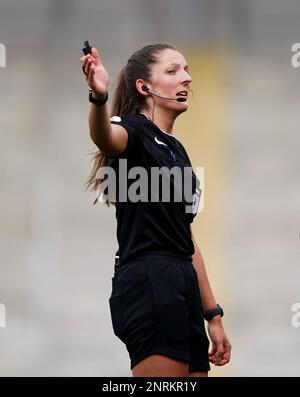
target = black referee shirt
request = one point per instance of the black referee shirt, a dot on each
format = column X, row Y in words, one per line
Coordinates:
column 147, row 226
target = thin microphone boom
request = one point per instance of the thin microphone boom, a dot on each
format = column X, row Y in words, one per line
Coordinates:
column 181, row 99
column 145, row 88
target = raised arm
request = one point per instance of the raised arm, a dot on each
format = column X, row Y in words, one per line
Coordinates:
column 110, row 139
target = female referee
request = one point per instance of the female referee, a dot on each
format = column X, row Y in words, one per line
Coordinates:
column 160, row 291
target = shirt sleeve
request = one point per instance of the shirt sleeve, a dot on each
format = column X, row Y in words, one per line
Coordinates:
column 132, row 127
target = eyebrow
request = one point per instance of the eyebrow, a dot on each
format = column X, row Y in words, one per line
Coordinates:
column 177, row 64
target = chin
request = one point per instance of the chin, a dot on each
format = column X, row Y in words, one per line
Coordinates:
column 177, row 108
column 183, row 107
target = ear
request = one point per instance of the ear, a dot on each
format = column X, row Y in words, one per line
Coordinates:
column 139, row 86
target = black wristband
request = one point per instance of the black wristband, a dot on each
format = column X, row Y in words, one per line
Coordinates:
column 97, row 102
column 209, row 314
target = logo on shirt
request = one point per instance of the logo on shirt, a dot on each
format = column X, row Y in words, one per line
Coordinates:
column 160, row 142
column 117, row 119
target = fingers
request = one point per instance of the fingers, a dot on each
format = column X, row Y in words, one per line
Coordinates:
column 88, row 66
column 96, row 56
column 220, row 353
column 212, row 354
column 86, row 62
column 227, row 353
column 93, row 58
column 216, row 355
column 226, row 358
column 90, row 75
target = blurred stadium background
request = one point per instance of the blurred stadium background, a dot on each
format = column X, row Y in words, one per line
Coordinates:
column 57, row 250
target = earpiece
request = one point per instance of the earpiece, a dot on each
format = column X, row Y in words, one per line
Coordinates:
column 145, row 88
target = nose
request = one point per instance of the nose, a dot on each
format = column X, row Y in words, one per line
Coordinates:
column 187, row 78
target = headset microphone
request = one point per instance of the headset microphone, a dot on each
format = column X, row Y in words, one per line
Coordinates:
column 146, row 89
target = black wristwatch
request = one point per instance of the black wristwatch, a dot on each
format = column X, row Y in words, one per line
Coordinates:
column 97, row 102
column 209, row 314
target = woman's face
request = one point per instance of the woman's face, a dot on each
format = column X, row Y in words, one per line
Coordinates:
column 169, row 76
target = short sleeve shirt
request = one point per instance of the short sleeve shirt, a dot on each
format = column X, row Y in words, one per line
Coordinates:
column 157, row 192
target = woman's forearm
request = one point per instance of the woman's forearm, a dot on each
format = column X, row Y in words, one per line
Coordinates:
column 221, row 348
column 100, row 127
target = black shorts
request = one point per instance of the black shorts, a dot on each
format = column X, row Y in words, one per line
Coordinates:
column 156, row 308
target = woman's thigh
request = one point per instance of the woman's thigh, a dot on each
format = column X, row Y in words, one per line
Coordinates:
column 158, row 365
column 198, row 374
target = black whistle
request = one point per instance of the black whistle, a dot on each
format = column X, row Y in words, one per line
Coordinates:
column 87, row 49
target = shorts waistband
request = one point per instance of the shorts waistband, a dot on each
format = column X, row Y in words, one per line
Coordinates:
column 156, row 255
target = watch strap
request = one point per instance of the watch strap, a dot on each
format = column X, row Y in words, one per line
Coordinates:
column 209, row 314
column 95, row 101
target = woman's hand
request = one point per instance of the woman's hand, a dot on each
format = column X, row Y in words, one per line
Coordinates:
column 96, row 76
column 221, row 348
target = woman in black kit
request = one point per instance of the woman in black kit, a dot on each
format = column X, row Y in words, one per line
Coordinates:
column 160, row 291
